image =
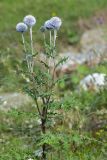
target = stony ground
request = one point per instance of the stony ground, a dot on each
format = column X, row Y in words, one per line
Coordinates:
column 13, row 100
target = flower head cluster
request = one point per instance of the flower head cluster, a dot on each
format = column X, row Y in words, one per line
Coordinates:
column 54, row 23
column 29, row 20
column 21, row 27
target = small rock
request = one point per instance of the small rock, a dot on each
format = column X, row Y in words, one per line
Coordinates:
column 13, row 100
column 93, row 81
column 94, row 40
column 73, row 60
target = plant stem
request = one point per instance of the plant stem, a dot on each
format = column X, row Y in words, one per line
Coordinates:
column 50, row 37
column 36, row 100
column 44, row 37
column 43, row 128
column 38, row 107
column 31, row 39
column 43, row 153
column 23, row 41
column 28, row 63
column 55, row 36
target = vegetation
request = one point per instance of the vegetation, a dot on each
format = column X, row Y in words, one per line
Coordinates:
column 62, row 123
column 81, row 136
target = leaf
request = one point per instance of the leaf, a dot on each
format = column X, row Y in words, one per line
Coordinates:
column 45, row 94
column 45, row 64
column 35, row 54
column 61, row 61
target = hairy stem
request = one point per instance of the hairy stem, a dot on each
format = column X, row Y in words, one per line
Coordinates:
column 23, row 41
column 50, row 38
column 55, row 36
column 31, row 39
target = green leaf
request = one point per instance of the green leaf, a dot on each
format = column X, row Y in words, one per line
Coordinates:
column 46, row 65
column 61, row 61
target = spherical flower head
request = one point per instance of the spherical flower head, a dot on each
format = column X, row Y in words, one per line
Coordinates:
column 48, row 25
column 55, row 22
column 21, row 27
column 29, row 20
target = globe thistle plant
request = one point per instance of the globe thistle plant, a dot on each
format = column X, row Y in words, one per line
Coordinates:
column 42, row 82
column 21, row 27
column 30, row 21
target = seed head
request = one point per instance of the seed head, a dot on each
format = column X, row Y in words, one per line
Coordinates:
column 21, row 27
column 29, row 20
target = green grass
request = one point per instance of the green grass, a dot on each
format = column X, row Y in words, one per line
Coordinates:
column 12, row 12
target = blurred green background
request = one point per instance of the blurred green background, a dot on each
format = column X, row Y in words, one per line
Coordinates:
column 71, row 12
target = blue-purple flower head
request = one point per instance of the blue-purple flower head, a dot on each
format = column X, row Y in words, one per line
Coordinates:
column 29, row 20
column 54, row 23
column 48, row 25
column 21, row 27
